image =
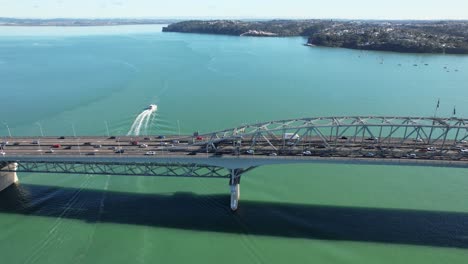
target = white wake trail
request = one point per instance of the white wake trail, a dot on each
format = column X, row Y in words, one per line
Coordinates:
column 135, row 123
column 140, row 124
column 142, row 120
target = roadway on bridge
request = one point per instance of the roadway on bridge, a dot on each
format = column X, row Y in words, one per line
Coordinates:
column 273, row 147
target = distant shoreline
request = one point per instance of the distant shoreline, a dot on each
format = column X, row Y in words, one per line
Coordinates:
column 431, row 37
column 16, row 22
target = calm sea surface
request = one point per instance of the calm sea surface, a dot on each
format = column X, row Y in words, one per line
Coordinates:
column 84, row 77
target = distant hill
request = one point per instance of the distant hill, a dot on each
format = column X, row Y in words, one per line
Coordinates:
column 397, row 36
column 80, row 22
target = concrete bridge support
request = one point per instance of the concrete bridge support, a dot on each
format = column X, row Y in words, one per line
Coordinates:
column 7, row 175
column 234, row 184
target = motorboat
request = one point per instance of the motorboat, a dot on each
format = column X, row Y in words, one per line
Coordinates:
column 152, row 107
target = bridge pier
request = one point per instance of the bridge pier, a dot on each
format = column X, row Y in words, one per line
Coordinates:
column 234, row 184
column 7, row 175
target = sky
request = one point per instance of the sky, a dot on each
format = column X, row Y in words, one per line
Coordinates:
column 345, row 9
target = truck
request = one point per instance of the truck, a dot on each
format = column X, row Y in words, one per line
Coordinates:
column 293, row 136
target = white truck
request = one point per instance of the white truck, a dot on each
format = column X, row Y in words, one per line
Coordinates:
column 290, row 136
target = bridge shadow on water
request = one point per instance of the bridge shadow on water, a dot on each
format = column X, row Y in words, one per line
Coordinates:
column 189, row 211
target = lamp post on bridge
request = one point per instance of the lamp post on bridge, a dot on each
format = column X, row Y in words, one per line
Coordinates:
column 8, row 128
column 40, row 128
column 107, row 128
column 76, row 139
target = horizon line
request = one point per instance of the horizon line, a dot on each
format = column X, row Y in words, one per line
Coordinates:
column 236, row 18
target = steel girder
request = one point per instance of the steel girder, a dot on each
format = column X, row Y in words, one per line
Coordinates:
column 131, row 169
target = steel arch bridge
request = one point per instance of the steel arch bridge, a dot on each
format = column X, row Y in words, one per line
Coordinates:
column 397, row 136
column 418, row 141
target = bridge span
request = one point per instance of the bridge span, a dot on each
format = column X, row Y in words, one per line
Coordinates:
column 401, row 141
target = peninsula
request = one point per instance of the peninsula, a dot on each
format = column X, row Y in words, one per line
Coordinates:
column 398, row 36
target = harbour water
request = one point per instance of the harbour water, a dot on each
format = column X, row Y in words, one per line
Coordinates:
column 65, row 79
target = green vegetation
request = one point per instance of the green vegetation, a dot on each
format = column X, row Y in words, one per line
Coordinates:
column 399, row 36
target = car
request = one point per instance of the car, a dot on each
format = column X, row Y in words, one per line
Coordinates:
column 164, row 143
column 90, row 154
column 464, row 151
column 199, row 138
column 67, row 147
column 112, row 137
column 161, row 137
column 97, row 146
column 273, row 154
column 250, row 152
column 2, row 153
column 369, row 155
column 193, row 153
column 150, row 153
column 56, row 146
column 134, row 143
column 147, row 138
column 343, row 137
column 431, row 149
column 50, row 151
column 462, row 141
column 4, row 143
column 307, row 153
column 411, row 156
column 87, row 144
column 143, row 146
column 119, row 151
column 321, row 146
column 175, row 142
column 369, row 147
column 16, row 144
column 35, row 142
column 62, row 137
column 418, row 140
column 371, row 138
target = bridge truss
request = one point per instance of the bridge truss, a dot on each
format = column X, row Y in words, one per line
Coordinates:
column 430, row 138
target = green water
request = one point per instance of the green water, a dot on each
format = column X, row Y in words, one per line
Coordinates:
column 84, row 77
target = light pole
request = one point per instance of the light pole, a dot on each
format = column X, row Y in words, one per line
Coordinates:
column 118, row 143
column 40, row 128
column 8, row 128
column 74, row 135
column 107, row 128
column 178, row 126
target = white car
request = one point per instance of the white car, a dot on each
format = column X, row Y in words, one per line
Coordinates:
column 143, row 146
column 307, row 153
column 431, row 149
column 150, row 153
column 2, row 153
column 464, row 151
column 250, row 152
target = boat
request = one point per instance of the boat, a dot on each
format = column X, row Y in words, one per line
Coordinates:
column 152, row 107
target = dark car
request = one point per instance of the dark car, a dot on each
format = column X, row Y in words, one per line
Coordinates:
column 120, row 151
column 91, row 154
column 62, row 137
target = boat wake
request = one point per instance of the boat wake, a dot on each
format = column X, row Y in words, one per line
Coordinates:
column 142, row 121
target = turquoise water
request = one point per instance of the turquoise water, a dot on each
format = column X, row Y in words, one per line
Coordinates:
column 84, row 77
